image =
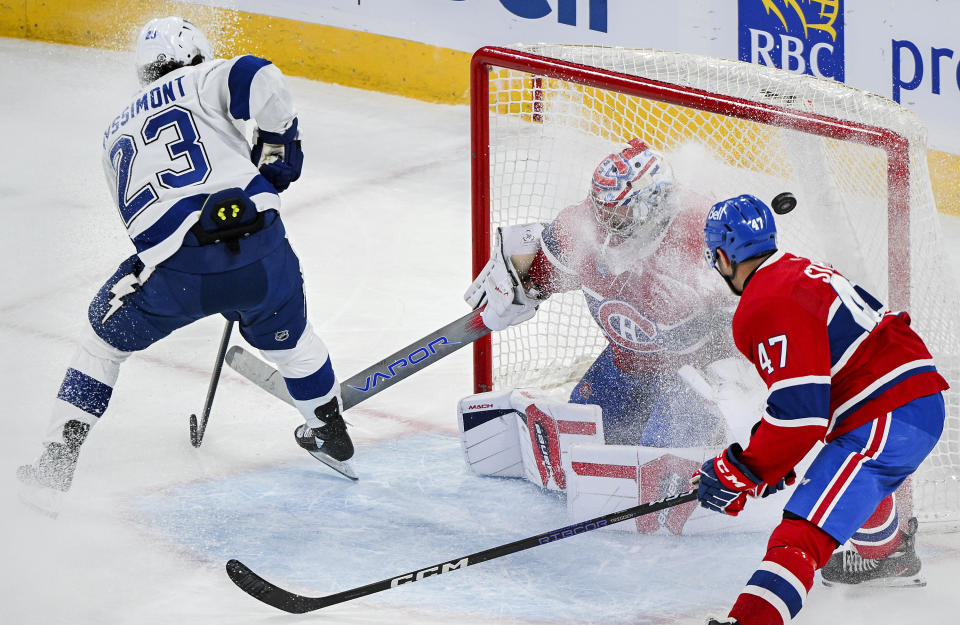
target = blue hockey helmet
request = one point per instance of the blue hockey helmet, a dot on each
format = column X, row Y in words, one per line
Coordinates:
column 742, row 227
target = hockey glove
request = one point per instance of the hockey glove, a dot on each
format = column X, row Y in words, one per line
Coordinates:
column 725, row 482
column 278, row 156
column 499, row 287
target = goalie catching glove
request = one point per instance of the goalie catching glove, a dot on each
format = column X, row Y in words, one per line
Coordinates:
column 724, row 482
column 499, row 287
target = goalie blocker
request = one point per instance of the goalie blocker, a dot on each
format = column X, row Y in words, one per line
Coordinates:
column 560, row 447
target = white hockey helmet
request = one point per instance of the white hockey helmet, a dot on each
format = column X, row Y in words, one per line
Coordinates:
column 167, row 43
column 630, row 190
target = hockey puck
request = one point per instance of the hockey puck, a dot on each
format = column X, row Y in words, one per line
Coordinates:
column 783, row 203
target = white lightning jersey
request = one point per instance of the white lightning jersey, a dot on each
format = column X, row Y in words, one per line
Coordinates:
column 181, row 138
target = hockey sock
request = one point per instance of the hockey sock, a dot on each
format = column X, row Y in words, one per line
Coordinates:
column 880, row 536
column 87, row 385
column 776, row 591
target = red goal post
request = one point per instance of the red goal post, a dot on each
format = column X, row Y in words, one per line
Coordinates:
column 855, row 160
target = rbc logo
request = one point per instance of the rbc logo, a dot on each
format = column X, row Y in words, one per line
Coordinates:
column 802, row 36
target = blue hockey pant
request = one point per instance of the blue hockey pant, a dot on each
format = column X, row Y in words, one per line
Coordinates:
column 654, row 409
column 140, row 305
column 853, row 473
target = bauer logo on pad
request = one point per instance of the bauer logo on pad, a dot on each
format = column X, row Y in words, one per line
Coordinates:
column 802, row 36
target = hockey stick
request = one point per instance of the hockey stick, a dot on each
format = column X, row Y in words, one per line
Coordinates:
column 260, row 589
column 379, row 376
column 196, row 431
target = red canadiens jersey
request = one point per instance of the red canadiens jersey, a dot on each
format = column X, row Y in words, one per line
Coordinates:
column 831, row 355
column 660, row 308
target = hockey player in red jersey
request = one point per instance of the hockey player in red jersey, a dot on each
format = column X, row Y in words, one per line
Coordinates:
column 841, row 369
column 633, row 247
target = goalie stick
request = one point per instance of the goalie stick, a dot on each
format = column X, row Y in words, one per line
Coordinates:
column 260, row 589
column 379, row 376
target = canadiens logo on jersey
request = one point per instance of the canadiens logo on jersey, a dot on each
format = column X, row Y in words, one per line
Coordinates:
column 624, row 325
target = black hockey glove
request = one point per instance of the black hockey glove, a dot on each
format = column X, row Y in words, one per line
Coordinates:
column 278, row 156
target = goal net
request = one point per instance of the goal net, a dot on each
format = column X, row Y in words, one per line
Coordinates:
column 543, row 116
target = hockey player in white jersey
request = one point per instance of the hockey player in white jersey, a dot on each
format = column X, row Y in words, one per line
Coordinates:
column 201, row 208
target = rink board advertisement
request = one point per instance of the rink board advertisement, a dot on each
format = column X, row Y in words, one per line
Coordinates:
column 905, row 51
column 908, row 52
column 793, row 37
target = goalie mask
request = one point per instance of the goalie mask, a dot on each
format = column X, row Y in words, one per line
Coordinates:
column 168, row 43
column 630, row 192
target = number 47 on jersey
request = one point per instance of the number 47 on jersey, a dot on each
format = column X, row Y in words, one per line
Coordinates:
column 865, row 310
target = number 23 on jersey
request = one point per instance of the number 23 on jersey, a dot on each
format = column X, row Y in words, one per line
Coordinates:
column 183, row 150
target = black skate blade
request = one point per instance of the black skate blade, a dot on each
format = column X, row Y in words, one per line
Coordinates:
column 344, row 468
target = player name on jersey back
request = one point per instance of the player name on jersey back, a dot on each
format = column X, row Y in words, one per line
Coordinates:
column 159, row 96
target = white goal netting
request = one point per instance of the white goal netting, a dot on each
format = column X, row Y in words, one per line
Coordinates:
column 855, row 161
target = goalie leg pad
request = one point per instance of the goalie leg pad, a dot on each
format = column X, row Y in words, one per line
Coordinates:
column 515, row 434
column 553, row 427
column 489, row 434
column 608, row 478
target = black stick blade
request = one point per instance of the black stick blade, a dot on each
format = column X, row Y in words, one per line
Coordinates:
column 262, row 590
column 194, row 434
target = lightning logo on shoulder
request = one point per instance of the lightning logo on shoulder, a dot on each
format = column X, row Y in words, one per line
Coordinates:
column 627, row 327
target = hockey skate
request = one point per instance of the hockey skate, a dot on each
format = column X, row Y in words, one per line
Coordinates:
column 899, row 569
column 45, row 481
column 329, row 443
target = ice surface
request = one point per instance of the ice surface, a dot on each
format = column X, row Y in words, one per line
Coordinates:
column 380, row 219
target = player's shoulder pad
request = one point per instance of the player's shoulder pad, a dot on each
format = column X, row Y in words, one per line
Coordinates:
column 250, row 58
column 242, row 72
column 244, row 67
